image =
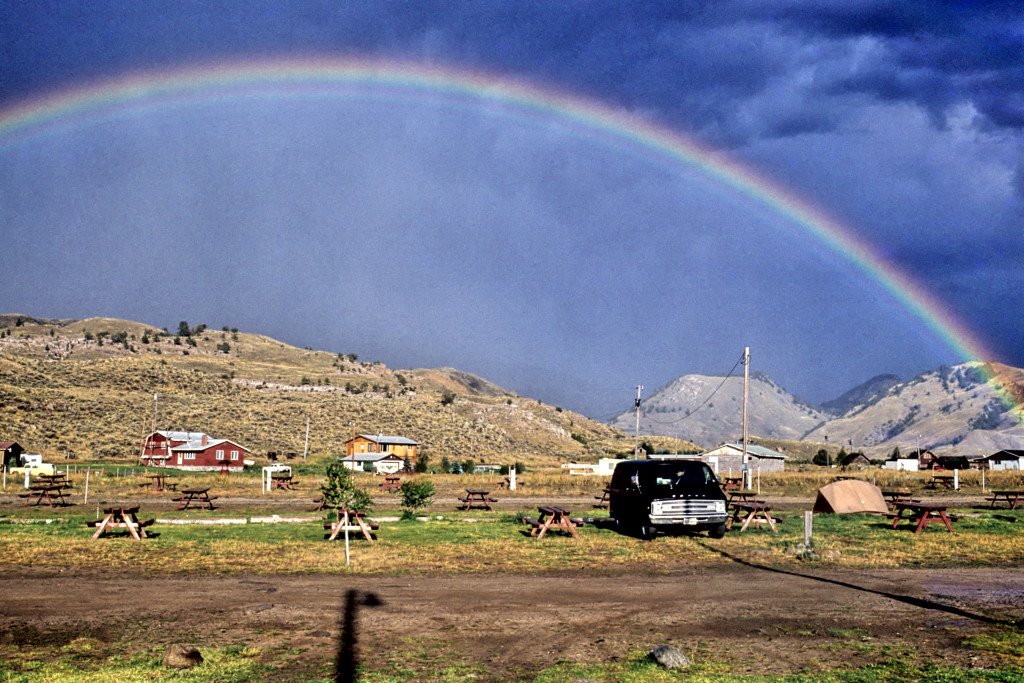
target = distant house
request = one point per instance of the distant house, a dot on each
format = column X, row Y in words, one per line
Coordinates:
column 925, row 458
column 1008, row 459
column 12, row 453
column 603, row 468
column 729, row 458
column 853, row 461
column 378, row 463
column 381, row 443
column 193, row 451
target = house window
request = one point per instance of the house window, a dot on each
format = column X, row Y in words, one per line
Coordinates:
column 220, row 455
column 234, row 455
column 190, row 456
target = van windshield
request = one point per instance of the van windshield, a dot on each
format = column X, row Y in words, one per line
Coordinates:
column 667, row 476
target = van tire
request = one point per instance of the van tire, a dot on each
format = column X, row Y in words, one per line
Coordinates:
column 646, row 531
column 718, row 531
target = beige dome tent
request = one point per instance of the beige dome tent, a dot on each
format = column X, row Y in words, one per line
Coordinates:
column 850, row 496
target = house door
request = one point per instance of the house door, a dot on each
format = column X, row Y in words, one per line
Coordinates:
column 179, row 458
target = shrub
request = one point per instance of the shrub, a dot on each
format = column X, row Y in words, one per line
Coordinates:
column 447, row 398
column 416, row 494
column 224, row 347
column 340, row 490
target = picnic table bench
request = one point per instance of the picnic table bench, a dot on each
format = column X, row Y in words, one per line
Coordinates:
column 121, row 518
column 195, row 498
column 507, row 481
column 477, row 498
column 750, row 511
column 53, row 493
column 553, row 518
column 391, row 483
column 602, row 500
column 1011, row 498
column 351, row 520
column 921, row 513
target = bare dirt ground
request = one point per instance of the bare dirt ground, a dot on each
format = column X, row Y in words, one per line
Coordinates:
column 752, row 619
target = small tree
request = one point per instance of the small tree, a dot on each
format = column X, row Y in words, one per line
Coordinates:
column 895, row 454
column 407, row 464
column 224, row 347
column 183, row 329
column 469, row 466
column 447, row 398
column 422, row 463
column 340, row 490
column 821, row 458
column 446, row 464
column 416, row 494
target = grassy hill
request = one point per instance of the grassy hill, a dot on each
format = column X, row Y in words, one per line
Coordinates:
column 87, row 387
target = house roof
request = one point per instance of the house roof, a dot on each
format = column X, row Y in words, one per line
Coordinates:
column 371, row 457
column 199, row 446
column 4, row 445
column 187, row 437
column 753, row 449
column 386, row 439
column 853, row 457
column 1006, row 454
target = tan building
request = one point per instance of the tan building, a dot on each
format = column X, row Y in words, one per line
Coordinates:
column 381, row 443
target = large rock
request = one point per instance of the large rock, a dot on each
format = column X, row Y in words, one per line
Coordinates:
column 182, row 657
column 670, row 657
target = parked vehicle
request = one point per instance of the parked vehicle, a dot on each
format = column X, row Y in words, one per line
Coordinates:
column 670, row 495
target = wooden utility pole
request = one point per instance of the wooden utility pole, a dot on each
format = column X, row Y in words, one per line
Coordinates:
column 305, row 448
column 746, row 380
column 636, row 449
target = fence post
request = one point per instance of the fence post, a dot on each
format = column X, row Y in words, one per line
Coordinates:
column 808, row 528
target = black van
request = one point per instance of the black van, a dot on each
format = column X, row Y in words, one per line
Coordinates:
column 681, row 495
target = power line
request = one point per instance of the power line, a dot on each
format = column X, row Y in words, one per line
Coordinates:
column 704, row 402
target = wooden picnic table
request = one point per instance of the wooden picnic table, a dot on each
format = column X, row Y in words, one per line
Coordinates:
column 753, row 510
column 731, row 483
column 507, row 481
column 892, row 495
column 477, row 498
column 285, row 482
column 121, row 518
column 944, row 480
column 197, row 498
column 159, row 482
column 353, row 520
column 741, row 496
column 1011, row 498
column 391, row 483
column 53, row 493
column 553, row 518
column 602, row 500
column 921, row 513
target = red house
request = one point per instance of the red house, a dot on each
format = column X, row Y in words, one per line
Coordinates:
column 192, row 451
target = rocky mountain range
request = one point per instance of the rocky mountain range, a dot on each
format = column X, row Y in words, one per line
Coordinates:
column 950, row 409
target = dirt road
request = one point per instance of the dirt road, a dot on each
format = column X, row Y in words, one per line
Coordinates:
column 513, row 625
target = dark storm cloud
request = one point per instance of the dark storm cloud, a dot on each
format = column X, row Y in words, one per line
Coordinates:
column 903, row 120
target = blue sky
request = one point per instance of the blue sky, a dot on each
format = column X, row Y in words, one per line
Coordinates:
column 422, row 233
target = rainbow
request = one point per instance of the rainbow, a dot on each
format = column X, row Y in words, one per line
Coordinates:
column 521, row 99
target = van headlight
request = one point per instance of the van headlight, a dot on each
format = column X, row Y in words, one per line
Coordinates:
column 719, row 506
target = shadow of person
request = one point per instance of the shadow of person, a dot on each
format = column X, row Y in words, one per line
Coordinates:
column 346, row 660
